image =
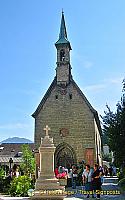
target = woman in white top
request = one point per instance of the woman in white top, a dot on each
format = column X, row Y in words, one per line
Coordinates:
column 87, row 179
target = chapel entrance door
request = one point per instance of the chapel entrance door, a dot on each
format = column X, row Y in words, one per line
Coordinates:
column 64, row 156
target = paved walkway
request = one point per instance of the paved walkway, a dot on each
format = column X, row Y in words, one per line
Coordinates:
column 78, row 194
column 108, row 189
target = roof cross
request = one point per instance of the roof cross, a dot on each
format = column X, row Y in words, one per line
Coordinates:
column 46, row 129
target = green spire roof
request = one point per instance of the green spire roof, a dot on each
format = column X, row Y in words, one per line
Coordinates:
column 63, row 34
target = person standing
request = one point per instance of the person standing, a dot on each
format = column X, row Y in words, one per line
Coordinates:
column 110, row 171
column 96, row 181
column 105, row 171
column 87, row 179
column 69, row 179
column 114, row 171
column 74, row 176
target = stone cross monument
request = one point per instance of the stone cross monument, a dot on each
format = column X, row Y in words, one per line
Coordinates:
column 46, row 182
column 47, row 129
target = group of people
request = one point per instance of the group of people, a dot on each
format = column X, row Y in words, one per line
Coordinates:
column 61, row 172
column 91, row 178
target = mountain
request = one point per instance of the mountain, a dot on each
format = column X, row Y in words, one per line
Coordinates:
column 16, row 140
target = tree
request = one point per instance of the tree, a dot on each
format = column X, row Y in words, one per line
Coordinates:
column 114, row 130
column 20, row 186
column 28, row 161
column 2, row 175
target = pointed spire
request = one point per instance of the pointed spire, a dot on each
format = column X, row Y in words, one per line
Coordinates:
column 63, row 33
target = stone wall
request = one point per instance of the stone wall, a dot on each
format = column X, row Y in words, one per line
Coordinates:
column 71, row 113
column 98, row 145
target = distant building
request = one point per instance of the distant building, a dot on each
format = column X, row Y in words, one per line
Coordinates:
column 12, row 151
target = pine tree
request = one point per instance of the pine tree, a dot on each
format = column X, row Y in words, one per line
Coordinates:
column 114, row 130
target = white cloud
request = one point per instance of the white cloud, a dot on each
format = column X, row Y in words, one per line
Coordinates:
column 117, row 80
column 16, row 130
column 106, row 83
column 12, row 126
column 95, row 88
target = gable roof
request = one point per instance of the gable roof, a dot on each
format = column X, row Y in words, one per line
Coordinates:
column 47, row 94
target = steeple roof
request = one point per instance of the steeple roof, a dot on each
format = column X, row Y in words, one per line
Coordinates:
column 63, row 33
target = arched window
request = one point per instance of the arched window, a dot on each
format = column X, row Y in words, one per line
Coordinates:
column 62, row 55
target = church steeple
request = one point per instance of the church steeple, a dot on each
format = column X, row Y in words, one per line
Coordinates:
column 63, row 33
column 63, row 39
column 63, row 70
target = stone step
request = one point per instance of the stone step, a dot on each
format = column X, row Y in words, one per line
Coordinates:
column 110, row 179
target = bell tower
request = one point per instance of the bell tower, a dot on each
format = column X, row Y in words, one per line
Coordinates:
column 63, row 69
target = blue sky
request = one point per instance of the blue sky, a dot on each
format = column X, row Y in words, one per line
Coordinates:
column 28, row 31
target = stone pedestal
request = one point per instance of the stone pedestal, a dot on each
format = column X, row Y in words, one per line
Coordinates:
column 47, row 186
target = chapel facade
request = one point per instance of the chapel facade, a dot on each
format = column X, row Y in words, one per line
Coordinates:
column 74, row 123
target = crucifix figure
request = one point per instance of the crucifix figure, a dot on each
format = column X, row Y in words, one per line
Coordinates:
column 46, row 129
